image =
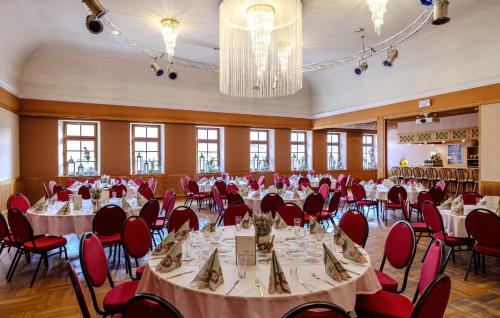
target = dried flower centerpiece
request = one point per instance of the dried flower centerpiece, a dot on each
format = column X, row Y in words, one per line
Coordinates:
column 263, row 223
column 95, row 196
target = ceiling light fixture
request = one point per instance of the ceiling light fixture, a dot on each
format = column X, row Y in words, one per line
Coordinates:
column 378, row 8
column 156, row 68
column 97, row 11
column 392, row 55
column 170, row 31
column 363, row 66
column 260, row 48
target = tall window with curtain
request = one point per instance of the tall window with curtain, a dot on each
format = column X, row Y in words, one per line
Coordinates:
column 333, row 151
column 259, row 150
column 146, row 148
column 299, row 158
column 208, row 149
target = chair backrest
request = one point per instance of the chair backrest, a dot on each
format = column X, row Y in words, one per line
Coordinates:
column 108, row 220
column 433, row 301
column 325, row 180
column 232, row 187
column 334, row 202
column 52, row 184
column 418, row 172
column 290, row 211
column 262, row 181
column 319, row 309
column 146, row 191
column 404, row 207
column 340, row 177
column 254, row 185
column 20, row 226
column 303, row 182
column 234, row 210
column 470, row 198
column 193, row 187
column 18, row 201
column 4, row 229
column 136, row 237
column 150, row 211
column 63, row 195
column 84, row 191
column 358, row 192
column 249, row 177
column 149, row 305
column 151, row 184
column 138, row 181
column 355, row 181
column 166, row 199
column 286, row 181
column 313, row 204
column 179, row 216
column 437, row 194
column 77, row 288
column 432, row 173
column 221, row 186
column 394, row 192
column 171, row 206
column 324, row 190
column 354, row 224
column 120, row 190
column 432, row 266
column 91, row 181
column 483, row 226
column 57, row 188
column 93, row 261
column 70, row 182
column 271, row 203
column 422, row 197
column 233, row 197
column 432, row 217
column 442, row 185
column 217, row 198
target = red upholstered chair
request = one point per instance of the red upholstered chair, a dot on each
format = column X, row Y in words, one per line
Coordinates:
column 388, row 304
column 91, row 181
column 84, row 191
column 483, row 226
column 313, row 206
column 18, row 201
column 354, row 224
column 442, row 185
column 418, row 227
column 304, row 182
column 150, row 212
column 399, row 251
column 138, row 181
column 421, row 198
column 249, row 178
column 95, row 270
column 286, row 181
column 437, row 195
column 333, row 206
column 471, row 197
column 434, row 222
column 187, row 194
column 107, row 224
column 359, row 196
column 232, row 187
column 233, row 210
column 151, row 183
column 271, row 203
column 221, row 186
column 261, row 181
column 149, row 305
column 30, row 244
column 324, row 190
column 346, row 199
column 70, row 182
column 63, row 195
column 77, row 288
column 57, row 188
column 6, row 237
column 197, row 195
column 179, row 216
column 355, row 181
column 317, row 309
column 167, row 207
column 219, row 204
column 136, row 241
column 394, row 203
column 146, row 191
column 290, row 211
column 254, row 185
column 52, row 184
column 233, row 197
column 325, row 180
column 120, row 189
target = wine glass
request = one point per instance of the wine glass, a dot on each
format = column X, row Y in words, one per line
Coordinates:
column 237, row 221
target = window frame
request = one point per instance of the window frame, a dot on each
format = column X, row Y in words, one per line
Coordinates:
column 208, row 141
column 66, row 138
column 368, row 145
column 146, row 139
column 259, row 142
column 329, row 144
column 298, row 143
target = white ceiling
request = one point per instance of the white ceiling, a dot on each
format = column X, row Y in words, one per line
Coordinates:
column 44, row 43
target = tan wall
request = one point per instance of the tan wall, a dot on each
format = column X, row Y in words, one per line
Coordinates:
column 115, row 137
column 236, row 149
column 282, row 158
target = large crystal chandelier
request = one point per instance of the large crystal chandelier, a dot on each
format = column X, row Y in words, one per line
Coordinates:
column 378, row 9
column 170, row 31
column 260, row 47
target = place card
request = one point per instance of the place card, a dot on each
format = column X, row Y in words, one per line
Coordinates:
column 77, row 202
column 245, row 245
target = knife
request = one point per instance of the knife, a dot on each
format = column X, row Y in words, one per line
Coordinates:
column 180, row 274
column 234, row 285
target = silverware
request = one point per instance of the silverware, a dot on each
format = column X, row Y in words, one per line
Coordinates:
column 189, row 281
column 321, row 279
column 257, row 283
column 180, row 274
column 303, row 284
column 234, row 285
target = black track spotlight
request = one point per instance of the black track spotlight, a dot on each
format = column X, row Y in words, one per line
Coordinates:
column 172, row 75
column 156, row 68
column 426, row 3
column 95, row 7
column 93, row 22
column 392, row 54
column 363, row 66
column 94, row 25
column 440, row 12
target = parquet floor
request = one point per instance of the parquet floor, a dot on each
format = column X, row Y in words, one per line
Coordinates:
column 52, row 295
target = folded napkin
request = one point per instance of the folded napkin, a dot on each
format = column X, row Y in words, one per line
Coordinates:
column 333, row 267
column 210, row 274
column 272, row 189
column 164, row 245
column 183, row 231
column 256, row 194
column 40, row 205
column 125, row 204
column 362, row 183
column 296, row 194
column 338, row 235
column 315, row 227
column 141, row 200
column 370, row 182
column 352, row 251
column 457, row 206
column 309, row 191
column 246, row 221
column 482, row 202
column 172, row 260
column 279, row 223
column 277, row 279
column 65, row 209
column 446, row 204
column 77, row 202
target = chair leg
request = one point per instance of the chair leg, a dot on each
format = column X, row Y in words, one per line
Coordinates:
column 12, row 266
column 36, row 271
column 1, row 248
column 484, row 263
column 472, row 257
column 65, row 252
column 450, row 252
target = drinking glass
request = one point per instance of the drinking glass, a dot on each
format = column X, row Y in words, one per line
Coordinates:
column 296, row 224
column 242, row 265
column 237, row 220
column 70, row 197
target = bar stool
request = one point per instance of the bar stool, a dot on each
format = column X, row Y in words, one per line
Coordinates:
column 447, row 176
column 432, row 177
column 407, row 174
column 474, row 179
column 462, row 179
column 419, row 174
column 396, row 171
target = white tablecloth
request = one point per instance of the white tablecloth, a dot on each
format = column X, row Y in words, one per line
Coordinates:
column 254, row 203
column 131, row 187
column 206, row 187
column 245, row 300
column 381, row 193
column 77, row 221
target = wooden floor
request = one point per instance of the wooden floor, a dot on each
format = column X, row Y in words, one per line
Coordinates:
column 52, row 295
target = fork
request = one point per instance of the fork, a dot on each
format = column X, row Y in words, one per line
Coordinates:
column 257, row 283
column 321, row 279
column 303, row 284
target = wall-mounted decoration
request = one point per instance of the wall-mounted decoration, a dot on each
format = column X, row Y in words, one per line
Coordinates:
column 455, row 156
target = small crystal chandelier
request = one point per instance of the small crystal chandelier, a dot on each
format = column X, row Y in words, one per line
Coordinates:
column 378, row 9
column 170, row 31
column 260, row 48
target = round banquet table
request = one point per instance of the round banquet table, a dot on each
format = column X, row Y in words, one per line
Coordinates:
column 206, row 187
column 132, row 188
column 314, row 183
column 77, row 221
column 254, row 202
column 245, row 300
column 454, row 224
column 381, row 193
